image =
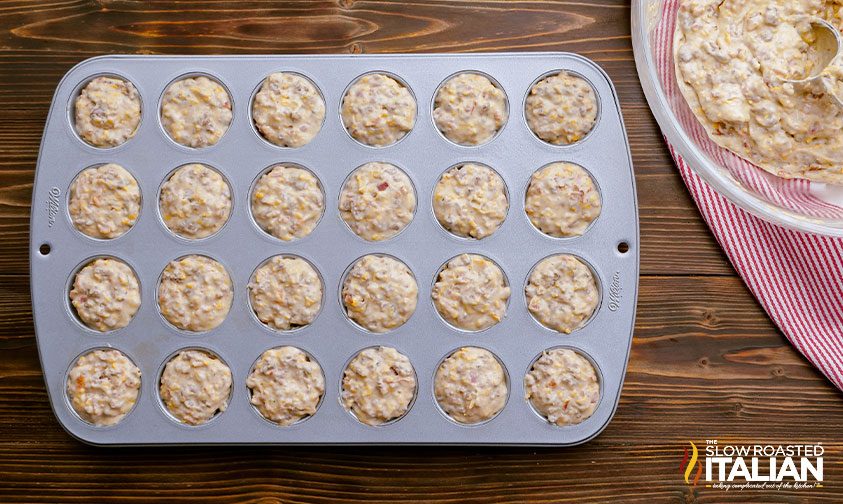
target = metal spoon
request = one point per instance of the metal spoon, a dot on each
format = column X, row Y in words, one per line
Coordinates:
column 828, row 46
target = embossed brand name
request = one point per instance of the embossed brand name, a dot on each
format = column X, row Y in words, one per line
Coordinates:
column 615, row 290
column 53, row 205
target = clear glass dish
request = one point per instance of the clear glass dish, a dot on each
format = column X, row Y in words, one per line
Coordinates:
column 797, row 204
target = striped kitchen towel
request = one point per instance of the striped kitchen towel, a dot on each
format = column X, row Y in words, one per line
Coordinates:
column 796, row 277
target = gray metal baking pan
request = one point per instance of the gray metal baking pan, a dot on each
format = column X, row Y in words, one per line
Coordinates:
column 611, row 247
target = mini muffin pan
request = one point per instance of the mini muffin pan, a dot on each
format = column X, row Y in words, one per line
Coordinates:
column 610, row 247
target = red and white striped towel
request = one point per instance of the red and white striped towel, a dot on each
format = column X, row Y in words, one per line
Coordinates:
column 797, row 277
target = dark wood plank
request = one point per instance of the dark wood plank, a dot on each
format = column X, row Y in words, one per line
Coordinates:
column 706, row 362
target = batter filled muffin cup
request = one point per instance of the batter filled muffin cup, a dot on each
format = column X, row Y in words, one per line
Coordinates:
column 194, row 293
column 471, row 386
column 104, row 201
column 470, row 200
column 288, row 110
column 561, row 108
column 377, row 201
column 563, row 293
column 104, row 294
column 287, row 201
column 286, row 385
column 285, row 293
column 378, row 386
column 379, row 293
column 470, row 108
column 196, row 111
column 194, row 386
column 562, row 200
column 106, row 112
column 102, row 386
column 378, row 109
column 194, row 202
column 562, row 386
column 471, row 292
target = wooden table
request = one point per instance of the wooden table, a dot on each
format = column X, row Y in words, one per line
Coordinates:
column 706, row 362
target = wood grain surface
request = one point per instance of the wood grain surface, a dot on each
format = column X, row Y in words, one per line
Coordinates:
column 706, row 362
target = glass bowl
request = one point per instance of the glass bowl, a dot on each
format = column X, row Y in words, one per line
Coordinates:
column 794, row 203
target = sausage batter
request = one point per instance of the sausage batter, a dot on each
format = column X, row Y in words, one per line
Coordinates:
column 732, row 58
column 562, row 293
column 105, row 294
column 471, row 292
column 561, row 109
column 286, row 293
column 103, row 386
column 470, row 201
column 107, row 111
column 378, row 385
column 195, row 386
column 378, row 110
column 195, row 202
column 562, row 386
column 195, row 293
column 288, row 202
column 377, row 201
column 104, row 201
column 196, row 111
column 469, row 109
column 286, row 385
column 379, row 293
column 562, row 200
column 471, row 386
column 288, row 110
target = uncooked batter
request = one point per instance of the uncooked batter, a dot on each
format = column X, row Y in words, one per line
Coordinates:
column 107, row 112
column 286, row 293
column 288, row 110
column 471, row 386
column 104, row 201
column 286, row 385
column 195, row 386
column 196, row 111
column 195, row 293
column 195, row 202
column 288, row 202
column 561, row 109
column 103, row 386
column 378, row 385
column 105, row 294
column 380, row 293
column 470, row 201
column 469, row 109
column 377, row 201
column 562, row 386
column 471, row 292
column 378, row 110
column 562, row 200
column 731, row 60
column 562, row 293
